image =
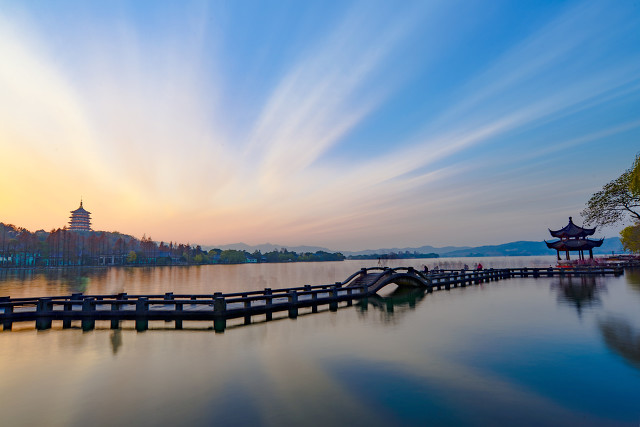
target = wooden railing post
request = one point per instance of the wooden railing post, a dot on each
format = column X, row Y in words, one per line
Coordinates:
column 293, row 304
column 115, row 318
column 8, row 314
column 179, row 309
column 68, row 309
column 44, row 309
column 88, row 315
column 220, row 310
column 142, row 311
column 268, row 302
column 247, row 310
column 333, row 302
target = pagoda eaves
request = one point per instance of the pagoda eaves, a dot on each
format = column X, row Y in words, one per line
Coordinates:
column 573, row 238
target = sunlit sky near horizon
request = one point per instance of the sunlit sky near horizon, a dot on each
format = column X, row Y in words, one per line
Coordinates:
column 348, row 125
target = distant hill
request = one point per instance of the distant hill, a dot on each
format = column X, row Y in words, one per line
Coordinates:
column 268, row 247
column 521, row 248
column 526, row 248
column 420, row 250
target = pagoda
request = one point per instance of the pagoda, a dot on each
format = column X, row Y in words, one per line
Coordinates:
column 574, row 239
column 80, row 219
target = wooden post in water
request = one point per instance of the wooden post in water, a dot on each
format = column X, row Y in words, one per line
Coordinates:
column 142, row 321
column 168, row 296
column 268, row 302
column 8, row 313
column 219, row 309
column 333, row 303
column 247, row 309
column 115, row 321
column 44, row 309
column 293, row 301
column 68, row 308
column 88, row 319
column 179, row 309
column 350, row 295
column 314, row 301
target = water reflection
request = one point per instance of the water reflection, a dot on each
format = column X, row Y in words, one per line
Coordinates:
column 579, row 292
column 116, row 340
column 633, row 278
column 50, row 281
column 621, row 337
column 394, row 305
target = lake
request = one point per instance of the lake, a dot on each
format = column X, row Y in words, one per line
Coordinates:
column 544, row 351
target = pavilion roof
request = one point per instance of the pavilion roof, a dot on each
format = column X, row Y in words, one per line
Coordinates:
column 574, row 245
column 572, row 230
column 80, row 210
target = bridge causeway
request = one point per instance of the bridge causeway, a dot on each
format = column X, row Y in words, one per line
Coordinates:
column 220, row 307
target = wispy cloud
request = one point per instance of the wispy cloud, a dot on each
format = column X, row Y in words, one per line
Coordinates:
column 140, row 122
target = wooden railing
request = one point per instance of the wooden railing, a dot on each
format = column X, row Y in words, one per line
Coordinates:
column 220, row 307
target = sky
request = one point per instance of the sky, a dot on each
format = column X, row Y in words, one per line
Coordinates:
column 347, row 125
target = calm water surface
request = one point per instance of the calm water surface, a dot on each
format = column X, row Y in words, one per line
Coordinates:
column 518, row 352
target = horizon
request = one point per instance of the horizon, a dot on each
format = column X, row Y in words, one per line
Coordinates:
column 343, row 125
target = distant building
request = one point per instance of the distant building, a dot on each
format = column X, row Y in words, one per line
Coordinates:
column 80, row 219
column 574, row 239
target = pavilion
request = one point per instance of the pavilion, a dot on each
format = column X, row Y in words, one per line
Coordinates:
column 574, row 239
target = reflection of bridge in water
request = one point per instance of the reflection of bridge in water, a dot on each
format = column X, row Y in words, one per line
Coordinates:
column 218, row 307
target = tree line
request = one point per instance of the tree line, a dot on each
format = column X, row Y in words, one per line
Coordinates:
column 394, row 255
column 618, row 202
column 20, row 247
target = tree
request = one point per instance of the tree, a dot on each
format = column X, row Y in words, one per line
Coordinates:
column 630, row 238
column 634, row 184
column 132, row 257
column 615, row 202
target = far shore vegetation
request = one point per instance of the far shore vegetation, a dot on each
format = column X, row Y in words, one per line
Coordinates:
column 21, row 248
column 393, row 255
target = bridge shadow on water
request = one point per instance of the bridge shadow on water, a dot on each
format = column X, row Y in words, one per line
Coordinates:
column 394, row 305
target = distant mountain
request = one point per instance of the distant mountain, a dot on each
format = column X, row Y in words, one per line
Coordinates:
column 526, row 248
column 521, row 248
column 268, row 247
column 420, row 250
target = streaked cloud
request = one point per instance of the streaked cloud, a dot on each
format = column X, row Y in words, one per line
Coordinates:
column 138, row 120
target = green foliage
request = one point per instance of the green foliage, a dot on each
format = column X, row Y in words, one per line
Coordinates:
column 393, row 255
column 634, row 184
column 132, row 257
column 613, row 203
column 231, row 256
column 630, row 238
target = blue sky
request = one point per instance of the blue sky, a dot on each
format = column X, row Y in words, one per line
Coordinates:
column 349, row 125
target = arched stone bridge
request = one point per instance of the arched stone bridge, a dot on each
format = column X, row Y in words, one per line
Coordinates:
column 377, row 278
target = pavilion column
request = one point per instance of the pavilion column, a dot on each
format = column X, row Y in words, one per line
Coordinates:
column 590, row 253
column 558, row 253
column 567, row 255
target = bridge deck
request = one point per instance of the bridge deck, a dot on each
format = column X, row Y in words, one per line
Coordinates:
column 220, row 307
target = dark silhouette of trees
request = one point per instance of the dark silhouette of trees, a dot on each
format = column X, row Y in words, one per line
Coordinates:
column 63, row 247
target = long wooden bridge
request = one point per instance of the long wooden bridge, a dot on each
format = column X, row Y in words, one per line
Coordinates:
column 218, row 307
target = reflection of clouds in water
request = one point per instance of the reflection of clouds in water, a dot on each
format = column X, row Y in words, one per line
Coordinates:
column 621, row 337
